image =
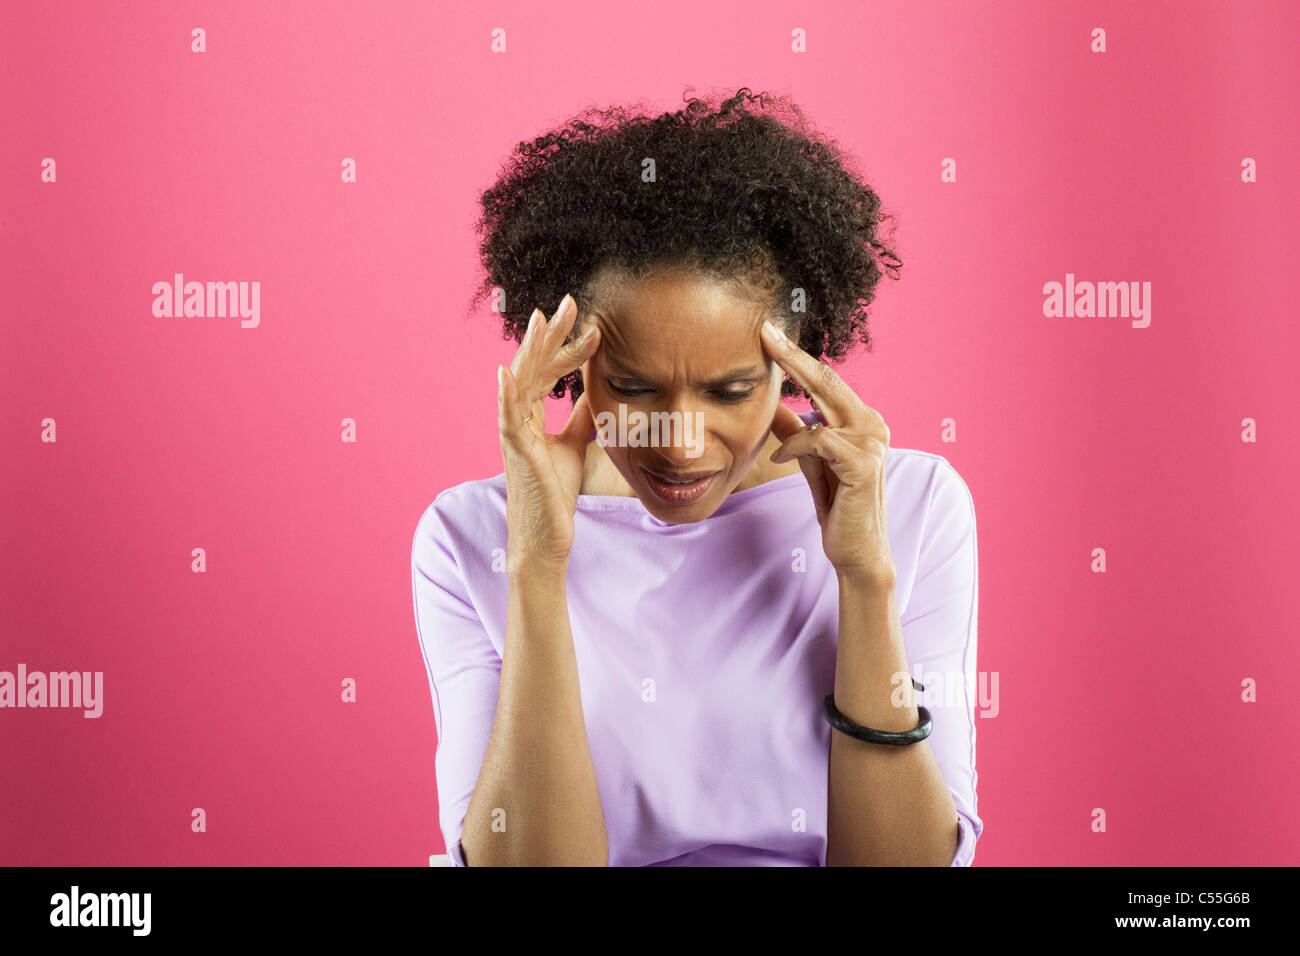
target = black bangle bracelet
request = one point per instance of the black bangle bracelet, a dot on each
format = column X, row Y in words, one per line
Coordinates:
column 896, row 738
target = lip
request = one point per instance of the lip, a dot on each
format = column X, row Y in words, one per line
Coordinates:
column 680, row 475
column 679, row 494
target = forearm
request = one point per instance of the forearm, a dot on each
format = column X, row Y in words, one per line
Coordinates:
column 888, row 805
column 537, row 768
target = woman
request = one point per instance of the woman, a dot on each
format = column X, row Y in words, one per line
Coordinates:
column 657, row 637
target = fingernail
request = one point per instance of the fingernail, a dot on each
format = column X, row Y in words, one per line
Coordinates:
column 561, row 312
column 775, row 330
column 501, row 377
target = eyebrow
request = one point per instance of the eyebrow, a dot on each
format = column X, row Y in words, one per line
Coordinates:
column 735, row 374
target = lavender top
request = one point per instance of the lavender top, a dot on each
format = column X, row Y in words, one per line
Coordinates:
column 704, row 651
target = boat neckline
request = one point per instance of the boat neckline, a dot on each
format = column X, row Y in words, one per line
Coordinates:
column 733, row 500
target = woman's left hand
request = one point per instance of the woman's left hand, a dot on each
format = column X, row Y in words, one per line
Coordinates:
column 843, row 460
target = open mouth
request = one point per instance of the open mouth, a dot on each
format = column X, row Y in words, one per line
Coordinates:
column 679, row 490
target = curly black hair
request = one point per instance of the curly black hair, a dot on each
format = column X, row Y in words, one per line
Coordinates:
column 744, row 190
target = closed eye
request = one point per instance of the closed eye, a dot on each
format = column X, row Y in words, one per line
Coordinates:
column 721, row 394
column 627, row 392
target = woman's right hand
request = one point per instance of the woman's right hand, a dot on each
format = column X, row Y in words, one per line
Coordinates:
column 543, row 472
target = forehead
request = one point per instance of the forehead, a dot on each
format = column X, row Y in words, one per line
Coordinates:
column 678, row 320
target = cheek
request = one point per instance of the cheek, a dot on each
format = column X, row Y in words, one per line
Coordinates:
column 618, row 455
column 601, row 403
column 747, row 434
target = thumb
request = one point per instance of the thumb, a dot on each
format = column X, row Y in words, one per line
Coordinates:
column 579, row 430
column 786, row 422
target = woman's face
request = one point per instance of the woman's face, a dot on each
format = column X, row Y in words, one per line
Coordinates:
column 680, row 388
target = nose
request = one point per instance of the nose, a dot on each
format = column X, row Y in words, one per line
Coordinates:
column 678, row 436
column 673, row 458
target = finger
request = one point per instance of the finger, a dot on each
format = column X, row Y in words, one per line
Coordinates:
column 577, row 431
column 547, row 339
column 839, row 454
column 570, row 356
column 524, row 365
column 574, row 353
column 814, row 469
column 536, row 418
column 563, row 357
column 510, row 421
column 543, row 358
column 786, row 422
column 809, row 441
column 525, row 344
column 557, row 330
column 837, row 402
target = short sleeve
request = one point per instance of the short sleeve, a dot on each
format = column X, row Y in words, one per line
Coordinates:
column 464, row 671
column 939, row 634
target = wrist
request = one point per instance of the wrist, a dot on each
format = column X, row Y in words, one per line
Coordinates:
column 527, row 565
column 868, row 578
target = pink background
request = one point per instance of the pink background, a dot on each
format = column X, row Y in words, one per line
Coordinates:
column 222, row 690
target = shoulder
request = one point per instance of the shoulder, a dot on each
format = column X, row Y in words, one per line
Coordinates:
column 930, row 508
column 941, row 479
column 932, row 479
column 472, row 510
column 937, row 557
column 951, row 504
